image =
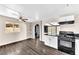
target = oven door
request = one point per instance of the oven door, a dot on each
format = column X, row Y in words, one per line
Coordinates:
column 66, row 46
column 65, row 43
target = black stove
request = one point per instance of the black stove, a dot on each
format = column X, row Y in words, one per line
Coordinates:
column 66, row 42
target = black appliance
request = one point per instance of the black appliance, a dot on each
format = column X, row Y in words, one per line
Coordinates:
column 66, row 42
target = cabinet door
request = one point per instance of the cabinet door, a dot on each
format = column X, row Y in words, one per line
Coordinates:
column 66, row 18
column 51, row 41
column 69, row 18
column 77, row 46
column 47, row 40
column 54, row 42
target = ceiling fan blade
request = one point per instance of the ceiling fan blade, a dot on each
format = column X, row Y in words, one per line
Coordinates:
column 24, row 19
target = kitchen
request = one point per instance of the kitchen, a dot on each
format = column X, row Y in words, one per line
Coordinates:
column 67, row 29
column 58, row 24
column 59, row 32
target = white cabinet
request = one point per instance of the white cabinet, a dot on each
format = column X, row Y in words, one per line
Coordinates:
column 47, row 40
column 54, row 42
column 77, row 46
column 51, row 41
column 67, row 18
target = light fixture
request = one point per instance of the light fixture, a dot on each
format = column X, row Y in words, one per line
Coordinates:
column 54, row 23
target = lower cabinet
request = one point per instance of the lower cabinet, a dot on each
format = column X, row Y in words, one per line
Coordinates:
column 54, row 42
column 51, row 41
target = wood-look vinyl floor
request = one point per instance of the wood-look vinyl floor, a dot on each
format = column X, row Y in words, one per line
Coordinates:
column 29, row 47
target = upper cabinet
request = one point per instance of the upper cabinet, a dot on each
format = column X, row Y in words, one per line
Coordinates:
column 66, row 18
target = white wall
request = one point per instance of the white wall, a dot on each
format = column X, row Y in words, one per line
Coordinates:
column 6, row 38
column 23, row 31
column 33, row 28
column 67, row 27
column 29, row 29
column 76, row 25
column 71, row 27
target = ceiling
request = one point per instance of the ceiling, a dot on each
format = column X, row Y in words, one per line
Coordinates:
column 36, row 12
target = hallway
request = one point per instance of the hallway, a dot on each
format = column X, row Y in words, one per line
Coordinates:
column 29, row 47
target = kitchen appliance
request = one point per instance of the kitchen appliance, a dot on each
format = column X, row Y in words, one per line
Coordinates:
column 66, row 42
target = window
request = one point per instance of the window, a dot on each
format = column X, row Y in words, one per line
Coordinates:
column 12, row 27
column 52, row 30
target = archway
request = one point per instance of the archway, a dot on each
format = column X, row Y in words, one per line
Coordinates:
column 37, row 31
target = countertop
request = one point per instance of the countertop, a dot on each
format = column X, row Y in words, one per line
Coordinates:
column 76, row 35
column 51, row 35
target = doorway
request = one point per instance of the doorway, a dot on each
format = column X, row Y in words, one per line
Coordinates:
column 37, row 31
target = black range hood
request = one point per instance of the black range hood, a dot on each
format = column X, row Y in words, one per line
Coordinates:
column 66, row 22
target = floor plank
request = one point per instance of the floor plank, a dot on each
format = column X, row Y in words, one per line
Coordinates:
column 29, row 47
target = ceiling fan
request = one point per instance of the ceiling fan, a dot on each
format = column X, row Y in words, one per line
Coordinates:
column 23, row 19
